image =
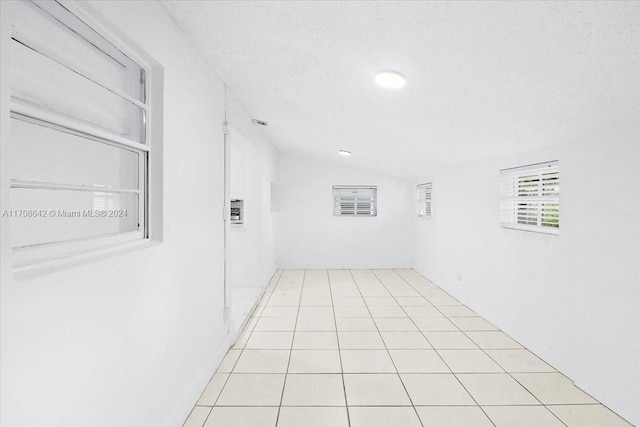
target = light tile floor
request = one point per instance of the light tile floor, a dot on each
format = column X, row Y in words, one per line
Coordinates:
column 333, row 348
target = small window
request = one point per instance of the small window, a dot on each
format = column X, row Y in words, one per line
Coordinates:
column 424, row 200
column 530, row 198
column 355, row 200
column 80, row 140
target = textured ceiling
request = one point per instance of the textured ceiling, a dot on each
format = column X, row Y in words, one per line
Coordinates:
column 484, row 79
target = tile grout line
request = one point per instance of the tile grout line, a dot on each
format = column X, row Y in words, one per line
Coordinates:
column 385, row 346
column 495, row 361
column 435, row 349
column 484, row 352
column 335, row 322
column 241, row 350
column 293, row 337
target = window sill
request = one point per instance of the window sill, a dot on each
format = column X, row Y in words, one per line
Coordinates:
column 532, row 229
column 78, row 259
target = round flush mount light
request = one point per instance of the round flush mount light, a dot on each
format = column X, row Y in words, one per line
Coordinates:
column 390, row 79
column 344, row 153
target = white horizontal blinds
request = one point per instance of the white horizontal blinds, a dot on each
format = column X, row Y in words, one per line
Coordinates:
column 78, row 140
column 424, row 200
column 355, row 200
column 530, row 197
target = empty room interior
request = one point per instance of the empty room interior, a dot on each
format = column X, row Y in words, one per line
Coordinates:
column 319, row 213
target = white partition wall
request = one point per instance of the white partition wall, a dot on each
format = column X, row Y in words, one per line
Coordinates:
column 310, row 235
column 130, row 339
column 571, row 298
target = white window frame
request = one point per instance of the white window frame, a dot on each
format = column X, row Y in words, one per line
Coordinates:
column 424, row 194
column 150, row 154
column 341, row 190
column 528, row 194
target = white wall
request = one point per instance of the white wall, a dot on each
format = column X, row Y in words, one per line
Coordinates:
column 310, row 236
column 571, row 298
column 131, row 340
column 251, row 246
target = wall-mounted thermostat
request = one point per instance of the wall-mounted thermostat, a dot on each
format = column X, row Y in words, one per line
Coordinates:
column 237, row 211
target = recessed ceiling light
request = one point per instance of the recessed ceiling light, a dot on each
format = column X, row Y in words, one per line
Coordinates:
column 390, row 79
column 344, row 153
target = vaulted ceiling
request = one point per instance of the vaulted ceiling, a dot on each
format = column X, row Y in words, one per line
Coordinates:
column 484, row 79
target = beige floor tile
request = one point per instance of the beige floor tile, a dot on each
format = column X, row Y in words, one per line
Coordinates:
column 453, row 416
column 276, row 311
column 473, row 324
column 493, row 340
column 316, row 293
column 281, row 293
column 401, row 324
column 553, row 389
column 252, row 390
column 229, row 361
column 469, row 361
column 404, row 340
column 360, row 341
column 345, row 292
column 436, row 389
column 496, row 389
column 413, row 301
column 387, row 311
column 197, row 417
column 418, row 361
column 383, row 416
column 310, row 324
column 373, row 301
column 283, row 300
column 301, row 416
column 355, row 324
column 375, row 389
column 414, row 312
column 588, row 416
column 313, row 390
column 519, row 360
column 315, row 302
column 366, row 361
column 434, row 324
column 315, row 312
column 359, row 311
column 262, row 362
column 443, row 300
column 374, row 291
column 242, row 417
column 355, row 301
column 270, row 340
column 457, row 311
column 275, row 324
column 315, row 340
column 522, row 416
column 450, row 340
column 212, row 390
column 315, row 361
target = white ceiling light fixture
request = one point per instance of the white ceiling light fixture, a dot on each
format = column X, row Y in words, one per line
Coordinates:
column 344, row 153
column 390, row 79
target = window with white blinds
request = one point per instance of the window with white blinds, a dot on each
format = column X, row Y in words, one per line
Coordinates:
column 355, row 200
column 424, row 200
column 530, row 198
column 80, row 136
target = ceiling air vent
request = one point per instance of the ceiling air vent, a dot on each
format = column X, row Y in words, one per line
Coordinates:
column 260, row 122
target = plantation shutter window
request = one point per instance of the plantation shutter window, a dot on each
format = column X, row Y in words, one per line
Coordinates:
column 355, row 200
column 424, row 200
column 530, row 198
